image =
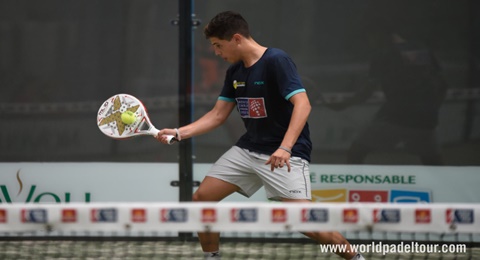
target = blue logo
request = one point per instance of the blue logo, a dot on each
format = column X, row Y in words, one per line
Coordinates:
column 104, row 215
column 34, row 216
column 174, row 215
column 314, row 215
column 461, row 216
column 244, row 215
column 386, row 215
column 409, row 196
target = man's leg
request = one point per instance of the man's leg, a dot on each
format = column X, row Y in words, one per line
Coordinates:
column 212, row 190
column 328, row 237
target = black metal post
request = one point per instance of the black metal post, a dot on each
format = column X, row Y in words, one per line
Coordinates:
column 185, row 94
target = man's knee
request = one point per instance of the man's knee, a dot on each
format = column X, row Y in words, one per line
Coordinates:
column 198, row 196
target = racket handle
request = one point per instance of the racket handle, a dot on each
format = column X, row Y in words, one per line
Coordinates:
column 171, row 139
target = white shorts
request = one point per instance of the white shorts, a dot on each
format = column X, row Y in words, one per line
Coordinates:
column 248, row 171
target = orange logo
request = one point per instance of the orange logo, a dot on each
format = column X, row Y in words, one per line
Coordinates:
column 423, row 216
column 139, row 215
column 279, row 215
column 209, row 215
column 350, row 215
column 69, row 215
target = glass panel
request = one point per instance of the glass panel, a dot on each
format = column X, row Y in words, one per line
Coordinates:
column 410, row 66
column 61, row 59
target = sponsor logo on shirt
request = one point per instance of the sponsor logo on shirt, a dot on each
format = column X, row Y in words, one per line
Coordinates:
column 251, row 107
column 237, row 84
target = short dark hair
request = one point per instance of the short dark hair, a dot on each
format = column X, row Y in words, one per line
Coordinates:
column 225, row 24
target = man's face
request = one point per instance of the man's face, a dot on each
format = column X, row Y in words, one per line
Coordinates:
column 226, row 49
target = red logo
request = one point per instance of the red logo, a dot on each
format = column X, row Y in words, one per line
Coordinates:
column 139, row 215
column 350, row 215
column 69, row 215
column 279, row 215
column 368, row 196
column 209, row 215
column 257, row 108
column 449, row 216
column 3, row 216
column 377, row 215
column 423, row 216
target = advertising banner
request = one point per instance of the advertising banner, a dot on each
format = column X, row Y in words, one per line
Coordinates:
column 152, row 182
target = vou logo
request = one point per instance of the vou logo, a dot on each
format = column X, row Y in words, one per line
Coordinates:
column 34, row 196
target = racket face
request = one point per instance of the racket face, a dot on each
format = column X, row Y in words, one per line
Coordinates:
column 109, row 119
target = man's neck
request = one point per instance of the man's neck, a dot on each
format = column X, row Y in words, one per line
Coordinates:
column 253, row 53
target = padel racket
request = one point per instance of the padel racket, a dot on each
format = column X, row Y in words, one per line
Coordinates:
column 109, row 118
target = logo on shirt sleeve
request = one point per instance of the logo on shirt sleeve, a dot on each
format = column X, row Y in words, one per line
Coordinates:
column 251, row 107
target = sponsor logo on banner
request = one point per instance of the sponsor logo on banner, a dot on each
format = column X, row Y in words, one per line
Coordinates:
column 386, row 215
column 350, row 215
column 357, row 195
column 34, row 215
column 365, row 179
column 139, row 215
column 174, row 215
column 36, row 193
column 423, row 216
column 410, row 196
column 251, row 107
column 331, row 195
column 69, row 215
column 3, row 216
column 209, row 215
column 244, row 215
column 460, row 216
column 108, row 215
column 279, row 215
column 314, row 215
column 368, row 196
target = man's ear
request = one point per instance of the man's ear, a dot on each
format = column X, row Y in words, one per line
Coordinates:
column 237, row 38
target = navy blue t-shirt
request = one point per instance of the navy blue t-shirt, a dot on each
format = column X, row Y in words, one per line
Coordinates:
column 262, row 94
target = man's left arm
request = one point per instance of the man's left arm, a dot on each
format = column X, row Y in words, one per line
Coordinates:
column 301, row 111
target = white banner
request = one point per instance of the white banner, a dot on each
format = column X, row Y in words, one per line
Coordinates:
column 151, row 182
column 258, row 217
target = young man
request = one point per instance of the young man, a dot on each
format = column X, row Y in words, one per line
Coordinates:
column 275, row 151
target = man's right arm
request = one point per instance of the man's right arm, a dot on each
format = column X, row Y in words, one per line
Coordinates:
column 211, row 120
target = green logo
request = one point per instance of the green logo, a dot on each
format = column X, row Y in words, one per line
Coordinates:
column 36, row 197
column 362, row 179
